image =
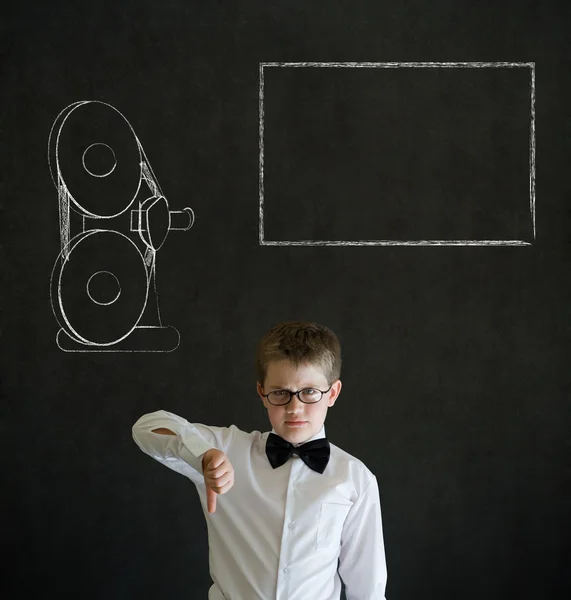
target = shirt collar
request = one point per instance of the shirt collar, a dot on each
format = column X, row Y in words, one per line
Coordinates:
column 319, row 434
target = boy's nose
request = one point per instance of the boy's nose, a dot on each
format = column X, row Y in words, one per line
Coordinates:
column 295, row 404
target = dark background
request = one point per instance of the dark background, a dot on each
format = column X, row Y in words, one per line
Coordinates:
column 456, row 372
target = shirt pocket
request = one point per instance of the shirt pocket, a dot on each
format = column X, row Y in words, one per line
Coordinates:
column 330, row 527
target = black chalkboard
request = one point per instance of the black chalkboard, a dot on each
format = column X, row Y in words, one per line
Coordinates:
column 397, row 171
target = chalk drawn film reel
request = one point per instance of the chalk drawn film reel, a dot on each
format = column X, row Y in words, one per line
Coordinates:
column 99, row 293
column 98, row 157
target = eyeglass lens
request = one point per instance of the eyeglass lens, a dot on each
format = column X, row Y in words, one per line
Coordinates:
column 282, row 396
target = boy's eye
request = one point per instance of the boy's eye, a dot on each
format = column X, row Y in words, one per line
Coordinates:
column 281, row 392
column 309, row 391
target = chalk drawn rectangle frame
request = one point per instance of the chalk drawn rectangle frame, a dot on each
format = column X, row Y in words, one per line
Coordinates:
column 396, row 65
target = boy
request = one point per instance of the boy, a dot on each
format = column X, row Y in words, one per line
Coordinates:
column 298, row 511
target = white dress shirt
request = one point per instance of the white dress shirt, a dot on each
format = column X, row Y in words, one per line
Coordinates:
column 285, row 533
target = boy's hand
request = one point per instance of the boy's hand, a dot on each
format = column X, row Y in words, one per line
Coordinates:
column 218, row 475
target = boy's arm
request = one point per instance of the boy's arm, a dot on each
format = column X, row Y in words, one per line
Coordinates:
column 165, row 431
column 176, row 443
column 362, row 563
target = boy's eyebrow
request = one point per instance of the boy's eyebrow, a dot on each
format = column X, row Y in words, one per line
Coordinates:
column 283, row 387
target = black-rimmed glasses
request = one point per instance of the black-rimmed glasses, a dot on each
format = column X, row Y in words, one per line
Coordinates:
column 307, row 395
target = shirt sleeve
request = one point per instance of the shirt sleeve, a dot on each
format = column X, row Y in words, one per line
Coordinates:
column 362, row 562
column 184, row 451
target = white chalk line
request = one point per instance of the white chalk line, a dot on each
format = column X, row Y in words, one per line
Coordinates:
column 397, row 243
column 98, row 348
column 97, row 301
column 87, row 168
column 532, row 150
column 393, row 65
column 261, row 141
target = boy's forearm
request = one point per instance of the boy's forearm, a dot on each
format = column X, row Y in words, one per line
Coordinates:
column 165, row 431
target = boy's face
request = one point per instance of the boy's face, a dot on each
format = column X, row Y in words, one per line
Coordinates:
column 282, row 375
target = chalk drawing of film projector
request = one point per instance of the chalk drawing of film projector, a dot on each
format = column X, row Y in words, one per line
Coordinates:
column 113, row 220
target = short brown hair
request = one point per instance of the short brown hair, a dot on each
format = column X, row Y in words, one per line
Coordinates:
column 300, row 342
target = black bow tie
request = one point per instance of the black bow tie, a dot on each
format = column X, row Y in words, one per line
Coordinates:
column 315, row 454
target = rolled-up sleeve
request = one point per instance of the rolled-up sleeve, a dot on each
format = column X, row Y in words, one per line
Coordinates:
column 362, row 562
column 184, row 451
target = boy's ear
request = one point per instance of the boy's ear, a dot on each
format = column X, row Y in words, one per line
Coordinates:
column 259, row 389
column 335, row 390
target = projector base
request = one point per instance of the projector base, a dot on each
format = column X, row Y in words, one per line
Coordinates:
column 141, row 339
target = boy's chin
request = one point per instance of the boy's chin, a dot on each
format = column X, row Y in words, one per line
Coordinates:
column 296, row 434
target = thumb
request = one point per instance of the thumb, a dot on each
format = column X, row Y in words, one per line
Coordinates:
column 210, row 499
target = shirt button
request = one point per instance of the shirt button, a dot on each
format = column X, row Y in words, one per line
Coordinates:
column 286, row 572
column 291, row 525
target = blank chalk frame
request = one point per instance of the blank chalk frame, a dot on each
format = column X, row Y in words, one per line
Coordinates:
column 397, row 65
